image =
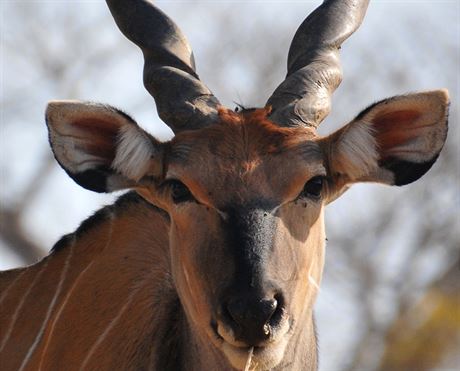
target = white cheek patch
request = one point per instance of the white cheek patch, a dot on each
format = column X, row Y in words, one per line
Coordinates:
column 357, row 153
column 133, row 154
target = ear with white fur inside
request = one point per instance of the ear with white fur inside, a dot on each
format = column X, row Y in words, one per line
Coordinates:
column 394, row 141
column 100, row 147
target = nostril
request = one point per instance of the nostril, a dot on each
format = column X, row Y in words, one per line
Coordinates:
column 253, row 318
column 277, row 314
column 236, row 311
column 248, row 313
column 268, row 307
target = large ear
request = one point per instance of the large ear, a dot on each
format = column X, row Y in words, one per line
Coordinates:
column 394, row 141
column 101, row 148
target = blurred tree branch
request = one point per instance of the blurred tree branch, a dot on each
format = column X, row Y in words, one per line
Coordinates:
column 11, row 230
column 58, row 68
column 415, row 225
column 422, row 336
column 15, row 237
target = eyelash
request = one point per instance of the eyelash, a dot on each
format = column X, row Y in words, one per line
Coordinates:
column 179, row 191
column 313, row 188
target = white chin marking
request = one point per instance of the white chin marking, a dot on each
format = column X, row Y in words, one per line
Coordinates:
column 264, row 358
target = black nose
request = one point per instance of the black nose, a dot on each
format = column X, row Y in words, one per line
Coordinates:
column 252, row 318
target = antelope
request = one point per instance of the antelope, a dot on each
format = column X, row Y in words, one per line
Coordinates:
column 213, row 260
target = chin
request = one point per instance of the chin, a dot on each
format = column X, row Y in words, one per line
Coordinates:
column 263, row 357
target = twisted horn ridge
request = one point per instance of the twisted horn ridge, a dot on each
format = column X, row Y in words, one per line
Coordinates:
column 183, row 101
column 314, row 72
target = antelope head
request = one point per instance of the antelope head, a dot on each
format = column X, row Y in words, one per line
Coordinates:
column 245, row 191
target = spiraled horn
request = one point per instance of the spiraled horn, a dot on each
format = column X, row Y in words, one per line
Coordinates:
column 183, row 101
column 314, row 72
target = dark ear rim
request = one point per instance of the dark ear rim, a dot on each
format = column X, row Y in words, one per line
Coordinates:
column 391, row 167
column 406, row 172
column 54, row 105
column 101, row 179
column 441, row 94
column 93, row 179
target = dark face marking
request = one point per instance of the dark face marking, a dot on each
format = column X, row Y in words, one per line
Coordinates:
column 249, row 237
column 93, row 179
column 406, row 172
column 251, row 301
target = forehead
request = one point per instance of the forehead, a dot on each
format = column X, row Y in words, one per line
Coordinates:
column 246, row 153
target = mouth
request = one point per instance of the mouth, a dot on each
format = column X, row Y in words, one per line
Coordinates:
column 255, row 358
column 263, row 356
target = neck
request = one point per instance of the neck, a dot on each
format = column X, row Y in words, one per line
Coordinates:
column 110, row 286
column 101, row 284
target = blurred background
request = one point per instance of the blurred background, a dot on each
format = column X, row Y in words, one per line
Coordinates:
column 390, row 298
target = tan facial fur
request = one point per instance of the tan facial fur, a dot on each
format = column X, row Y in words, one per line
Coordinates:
column 245, row 247
column 244, row 161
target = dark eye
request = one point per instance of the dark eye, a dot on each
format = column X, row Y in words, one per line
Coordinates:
column 179, row 192
column 313, row 187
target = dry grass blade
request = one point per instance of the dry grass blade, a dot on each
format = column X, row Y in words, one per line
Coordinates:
column 248, row 362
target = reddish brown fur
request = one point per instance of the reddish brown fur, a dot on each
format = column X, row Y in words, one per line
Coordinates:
column 396, row 128
column 97, row 139
column 246, row 145
column 137, row 286
column 107, row 262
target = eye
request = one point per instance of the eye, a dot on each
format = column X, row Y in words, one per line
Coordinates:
column 313, row 187
column 179, row 192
